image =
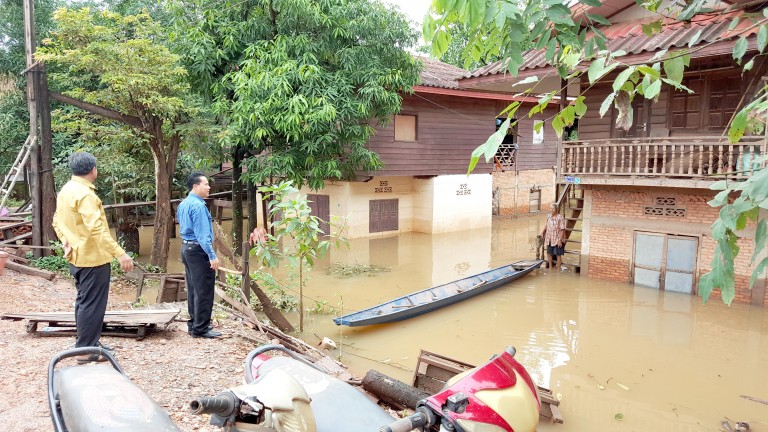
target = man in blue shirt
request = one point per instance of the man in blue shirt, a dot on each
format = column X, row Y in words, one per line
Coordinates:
column 198, row 256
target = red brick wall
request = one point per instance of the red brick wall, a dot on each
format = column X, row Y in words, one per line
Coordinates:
column 616, row 214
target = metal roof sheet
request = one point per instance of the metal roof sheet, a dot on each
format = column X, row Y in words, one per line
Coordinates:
column 629, row 37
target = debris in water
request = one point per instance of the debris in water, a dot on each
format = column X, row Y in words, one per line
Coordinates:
column 349, row 270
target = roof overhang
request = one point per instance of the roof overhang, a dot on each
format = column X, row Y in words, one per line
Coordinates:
column 473, row 94
column 493, row 81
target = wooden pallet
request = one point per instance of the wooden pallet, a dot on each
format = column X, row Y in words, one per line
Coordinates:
column 434, row 370
column 133, row 323
column 172, row 286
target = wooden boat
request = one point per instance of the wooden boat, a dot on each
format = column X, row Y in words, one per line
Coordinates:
column 437, row 297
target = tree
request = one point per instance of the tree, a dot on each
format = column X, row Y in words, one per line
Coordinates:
column 117, row 68
column 297, row 82
column 298, row 231
column 454, row 53
column 499, row 28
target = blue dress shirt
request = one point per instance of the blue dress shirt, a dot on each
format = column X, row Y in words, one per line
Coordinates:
column 195, row 223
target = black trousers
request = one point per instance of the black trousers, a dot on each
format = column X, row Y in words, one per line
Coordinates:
column 201, row 280
column 92, row 285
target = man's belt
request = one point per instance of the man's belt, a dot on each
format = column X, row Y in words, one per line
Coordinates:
column 194, row 242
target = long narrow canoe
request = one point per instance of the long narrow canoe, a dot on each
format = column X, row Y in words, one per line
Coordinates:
column 440, row 296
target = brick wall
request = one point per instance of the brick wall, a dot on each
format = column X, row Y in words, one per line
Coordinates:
column 512, row 190
column 617, row 213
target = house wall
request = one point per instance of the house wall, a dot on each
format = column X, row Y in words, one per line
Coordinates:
column 530, row 156
column 449, row 128
column 440, row 204
column 616, row 214
column 511, row 190
column 592, row 126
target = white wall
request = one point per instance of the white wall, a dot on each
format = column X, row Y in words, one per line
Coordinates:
column 440, row 204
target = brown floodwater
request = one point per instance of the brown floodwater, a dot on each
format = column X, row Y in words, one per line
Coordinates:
column 622, row 358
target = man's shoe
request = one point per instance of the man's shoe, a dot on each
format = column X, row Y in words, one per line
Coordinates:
column 210, row 327
column 210, row 334
column 90, row 358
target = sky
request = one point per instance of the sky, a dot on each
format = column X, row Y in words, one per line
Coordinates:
column 415, row 9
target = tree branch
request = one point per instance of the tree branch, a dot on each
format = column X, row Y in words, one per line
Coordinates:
column 98, row 110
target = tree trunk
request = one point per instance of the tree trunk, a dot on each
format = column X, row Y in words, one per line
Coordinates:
column 253, row 207
column 165, row 156
column 237, row 200
column 128, row 236
column 160, row 241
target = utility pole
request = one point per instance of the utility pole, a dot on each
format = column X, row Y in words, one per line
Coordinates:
column 34, row 163
column 41, row 185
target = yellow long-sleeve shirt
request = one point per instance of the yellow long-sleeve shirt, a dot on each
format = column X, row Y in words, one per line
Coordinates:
column 81, row 222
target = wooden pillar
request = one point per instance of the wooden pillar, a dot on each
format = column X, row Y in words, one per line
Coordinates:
column 563, row 104
column 34, row 178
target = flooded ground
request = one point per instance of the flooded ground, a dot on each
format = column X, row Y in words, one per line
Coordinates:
column 622, row 358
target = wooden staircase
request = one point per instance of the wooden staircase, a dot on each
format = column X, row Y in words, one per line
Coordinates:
column 571, row 205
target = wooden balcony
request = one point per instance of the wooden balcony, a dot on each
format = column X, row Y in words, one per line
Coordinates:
column 693, row 161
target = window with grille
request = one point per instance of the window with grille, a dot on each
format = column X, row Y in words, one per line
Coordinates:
column 506, row 154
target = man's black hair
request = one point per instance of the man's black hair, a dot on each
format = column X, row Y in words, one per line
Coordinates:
column 194, row 179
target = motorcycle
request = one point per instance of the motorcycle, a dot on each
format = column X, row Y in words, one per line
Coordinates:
column 287, row 393
column 497, row 396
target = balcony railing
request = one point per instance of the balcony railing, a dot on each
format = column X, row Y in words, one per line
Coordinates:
column 693, row 157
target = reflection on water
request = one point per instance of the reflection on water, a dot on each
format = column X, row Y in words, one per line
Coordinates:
column 664, row 361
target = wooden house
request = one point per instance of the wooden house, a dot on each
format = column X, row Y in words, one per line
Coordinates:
column 636, row 200
column 426, row 149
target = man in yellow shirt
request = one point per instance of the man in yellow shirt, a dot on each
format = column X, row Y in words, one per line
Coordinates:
column 82, row 227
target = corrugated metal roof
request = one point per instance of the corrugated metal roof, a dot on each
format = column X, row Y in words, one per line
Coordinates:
column 439, row 74
column 629, row 37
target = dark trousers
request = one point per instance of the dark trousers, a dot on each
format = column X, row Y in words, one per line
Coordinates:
column 92, row 285
column 201, row 279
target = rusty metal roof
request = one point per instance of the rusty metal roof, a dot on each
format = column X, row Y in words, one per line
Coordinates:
column 629, row 37
column 439, row 74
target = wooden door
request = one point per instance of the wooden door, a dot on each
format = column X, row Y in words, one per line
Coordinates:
column 641, row 120
column 321, row 207
column 383, row 215
column 665, row 262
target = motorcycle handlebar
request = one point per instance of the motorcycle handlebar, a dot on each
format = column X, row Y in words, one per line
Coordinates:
column 223, row 404
column 407, row 424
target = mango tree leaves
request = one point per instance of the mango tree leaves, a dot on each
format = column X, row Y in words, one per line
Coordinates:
column 489, row 148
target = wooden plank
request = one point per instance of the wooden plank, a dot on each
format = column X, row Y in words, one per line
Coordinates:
column 17, row 238
column 130, row 317
column 45, row 274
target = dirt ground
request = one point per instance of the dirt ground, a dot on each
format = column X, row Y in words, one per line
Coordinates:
column 170, row 366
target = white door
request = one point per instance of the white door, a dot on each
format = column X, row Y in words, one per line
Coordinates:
column 665, row 262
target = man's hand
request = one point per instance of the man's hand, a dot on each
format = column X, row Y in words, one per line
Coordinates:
column 67, row 248
column 126, row 262
column 215, row 264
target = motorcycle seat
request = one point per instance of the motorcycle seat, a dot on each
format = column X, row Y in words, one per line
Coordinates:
column 100, row 398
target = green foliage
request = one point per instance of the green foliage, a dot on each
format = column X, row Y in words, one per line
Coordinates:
column 54, row 263
column 298, row 230
column 122, row 63
column 297, row 81
column 278, row 293
column 321, row 307
column 736, row 216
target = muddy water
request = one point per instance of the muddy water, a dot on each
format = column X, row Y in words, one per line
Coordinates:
column 622, row 358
